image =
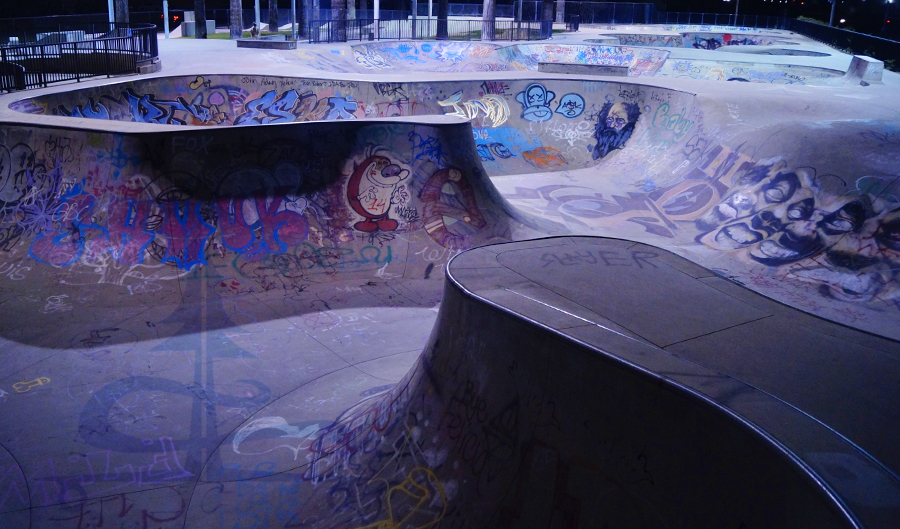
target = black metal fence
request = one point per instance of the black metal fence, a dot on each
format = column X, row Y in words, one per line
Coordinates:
column 611, row 12
column 884, row 50
column 52, row 59
column 721, row 19
column 572, row 22
column 426, row 29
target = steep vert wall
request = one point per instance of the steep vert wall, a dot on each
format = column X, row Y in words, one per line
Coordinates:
column 272, row 207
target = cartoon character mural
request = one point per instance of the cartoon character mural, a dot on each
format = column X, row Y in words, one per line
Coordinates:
column 615, row 126
column 535, row 100
column 570, row 106
column 374, row 187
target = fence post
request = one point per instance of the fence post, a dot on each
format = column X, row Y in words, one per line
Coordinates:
column 43, row 67
column 106, row 54
column 74, row 62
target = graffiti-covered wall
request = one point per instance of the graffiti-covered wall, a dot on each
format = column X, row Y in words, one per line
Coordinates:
column 636, row 161
column 277, row 207
column 519, row 126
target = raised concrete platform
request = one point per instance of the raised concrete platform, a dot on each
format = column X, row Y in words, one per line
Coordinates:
column 268, row 43
column 665, row 367
column 582, row 69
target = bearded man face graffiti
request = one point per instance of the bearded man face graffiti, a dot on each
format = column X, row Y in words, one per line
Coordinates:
column 616, row 123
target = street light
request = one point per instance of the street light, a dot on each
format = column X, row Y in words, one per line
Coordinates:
column 887, row 6
column 736, row 6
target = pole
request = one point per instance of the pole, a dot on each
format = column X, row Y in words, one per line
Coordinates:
column 166, row 17
column 377, row 14
column 736, row 6
column 887, row 6
column 831, row 18
column 112, row 13
column 256, row 9
column 294, row 19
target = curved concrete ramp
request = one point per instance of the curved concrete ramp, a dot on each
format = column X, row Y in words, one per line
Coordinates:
column 639, row 62
column 754, row 72
column 520, row 126
column 672, row 397
column 628, row 404
column 443, row 56
column 714, row 41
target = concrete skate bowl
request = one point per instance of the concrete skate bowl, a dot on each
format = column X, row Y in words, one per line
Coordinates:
column 714, row 41
column 591, row 157
column 529, row 56
column 519, row 126
column 705, row 41
column 668, row 40
column 429, row 56
column 782, row 51
column 466, row 56
column 712, row 70
column 272, row 212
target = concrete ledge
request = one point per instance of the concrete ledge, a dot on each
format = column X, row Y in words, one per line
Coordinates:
column 870, row 70
column 268, row 43
column 584, row 69
column 149, row 67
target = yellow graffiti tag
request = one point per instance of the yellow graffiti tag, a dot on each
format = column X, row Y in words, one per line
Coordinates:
column 493, row 107
column 409, row 502
column 198, row 82
column 22, row 387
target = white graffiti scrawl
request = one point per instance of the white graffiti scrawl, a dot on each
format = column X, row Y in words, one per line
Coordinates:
column 493, row 107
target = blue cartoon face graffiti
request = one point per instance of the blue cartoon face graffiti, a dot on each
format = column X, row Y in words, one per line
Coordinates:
column 535, row 100
column 570, row 106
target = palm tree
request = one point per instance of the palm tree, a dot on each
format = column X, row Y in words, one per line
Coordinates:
column 546, row 19
column 487, row 20
column 200, row 18
column 236, row 22
column 339, row 17
column 273, row 16
column 121, row 7
column 442, row 19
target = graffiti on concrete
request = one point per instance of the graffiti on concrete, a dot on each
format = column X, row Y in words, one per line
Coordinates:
column 570, row 106
column 373, row 189
column 614, row 127
column 535, row 101
column 493, row 108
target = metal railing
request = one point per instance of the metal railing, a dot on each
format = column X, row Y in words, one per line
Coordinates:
column 55, row 59
column 884, row 50
column 721, row 19
column 611, row 12
column 426, row 29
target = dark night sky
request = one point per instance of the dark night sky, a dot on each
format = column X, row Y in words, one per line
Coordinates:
column 865, row 16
